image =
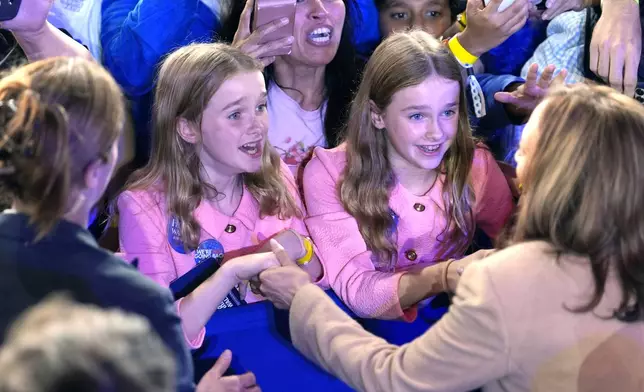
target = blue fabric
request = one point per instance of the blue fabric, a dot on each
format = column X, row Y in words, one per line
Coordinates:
column 496, row 117
column 366, row 26
column 511, row 55
column 259, row 337
column 137, row 34
column 496, row 128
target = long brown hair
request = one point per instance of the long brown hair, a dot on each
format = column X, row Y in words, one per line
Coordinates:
column 402, row 60
column 187, row 81
column 583, row 189
column 57, row 116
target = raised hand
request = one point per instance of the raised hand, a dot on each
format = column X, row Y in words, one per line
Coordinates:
column 616, row 45
column 214, row 381
column 528, row 95
column 488, row 28
column 249, row 42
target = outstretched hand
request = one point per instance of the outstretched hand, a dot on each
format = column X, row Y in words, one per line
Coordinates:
column 528, row 95
column 214, row 380
column 279, row 285
column 616, row 45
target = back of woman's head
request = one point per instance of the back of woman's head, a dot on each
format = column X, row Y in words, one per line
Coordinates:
column 57, row 117
column 583, row 187
column 59, row 346
column 402, row 60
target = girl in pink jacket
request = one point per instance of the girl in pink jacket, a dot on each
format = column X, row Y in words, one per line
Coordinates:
column 213, row 185
column 407, row 188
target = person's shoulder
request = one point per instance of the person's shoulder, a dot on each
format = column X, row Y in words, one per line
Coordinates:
column 332, row 160
column 482, row 157
column 120, row 284
column 142, row 199
column 530, row 264
column 483, row 166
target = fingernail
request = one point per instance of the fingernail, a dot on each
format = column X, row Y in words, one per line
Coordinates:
column 290, row 39
column 283, row 21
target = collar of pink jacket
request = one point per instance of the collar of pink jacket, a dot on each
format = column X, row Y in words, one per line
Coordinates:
column 247, row 213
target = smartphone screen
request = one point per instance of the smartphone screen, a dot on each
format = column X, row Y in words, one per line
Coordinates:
column 9, row 9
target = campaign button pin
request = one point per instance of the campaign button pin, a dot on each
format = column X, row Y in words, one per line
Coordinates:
column 209, row 249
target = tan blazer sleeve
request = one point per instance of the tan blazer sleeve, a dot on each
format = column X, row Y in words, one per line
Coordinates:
column 466, row 349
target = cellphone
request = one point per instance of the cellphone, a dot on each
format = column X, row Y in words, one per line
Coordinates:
column 267, row 11
column 9, row 9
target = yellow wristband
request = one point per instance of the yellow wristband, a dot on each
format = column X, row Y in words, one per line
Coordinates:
column 462, row 55
column 308, row 255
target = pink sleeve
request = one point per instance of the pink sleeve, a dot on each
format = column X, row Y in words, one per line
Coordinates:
column 196, row 342
column 494, row 203
column 298, row 224
column 143, row 236
column 346, row 259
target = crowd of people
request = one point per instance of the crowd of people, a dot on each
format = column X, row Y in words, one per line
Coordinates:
column 401, row 150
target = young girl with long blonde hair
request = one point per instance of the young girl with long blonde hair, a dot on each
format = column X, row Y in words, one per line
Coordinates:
column 408, row 187
column 213, row 183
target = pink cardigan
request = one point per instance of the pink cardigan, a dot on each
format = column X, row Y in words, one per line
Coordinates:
column 347, row 261
column 143, row 233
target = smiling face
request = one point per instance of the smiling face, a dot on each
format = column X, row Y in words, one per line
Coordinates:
column 234, row 126
column 421, row 122
column 431, row 16
column 317, row 30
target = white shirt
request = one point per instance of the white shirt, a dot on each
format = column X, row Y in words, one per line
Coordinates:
column 82, row 19
column 293, row 131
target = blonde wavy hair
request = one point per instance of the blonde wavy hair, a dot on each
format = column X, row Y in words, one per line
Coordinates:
column 188, row 79
column 403, row 60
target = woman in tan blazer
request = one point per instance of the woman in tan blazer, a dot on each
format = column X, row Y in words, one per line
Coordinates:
column 558, row 308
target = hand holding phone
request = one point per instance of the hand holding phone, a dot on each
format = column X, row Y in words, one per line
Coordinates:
column 487, row 27
column 9, row 9
column 272, row 29
column 24, row 16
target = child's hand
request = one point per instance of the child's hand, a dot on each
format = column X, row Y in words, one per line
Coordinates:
column 249, row 266
column 528, row 95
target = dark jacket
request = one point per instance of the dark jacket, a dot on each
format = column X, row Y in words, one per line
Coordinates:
column 69, row 260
